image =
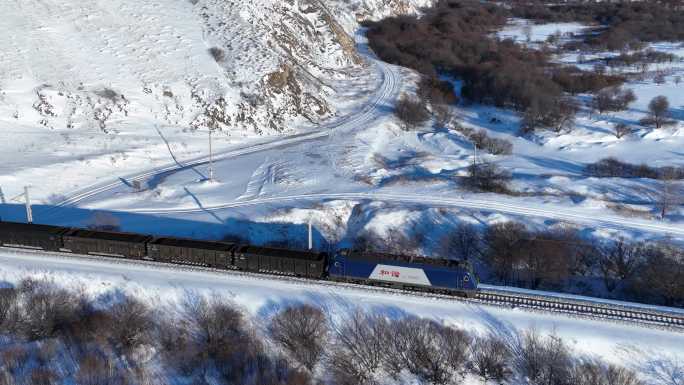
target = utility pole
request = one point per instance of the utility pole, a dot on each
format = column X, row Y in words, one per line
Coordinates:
column 310, row 234
column 29, row 212
column 211, row 159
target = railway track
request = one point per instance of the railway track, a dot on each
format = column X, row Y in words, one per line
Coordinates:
column 594, row 309
column 670, row 320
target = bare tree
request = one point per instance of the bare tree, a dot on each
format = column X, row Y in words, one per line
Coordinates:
column 543, row 360
column 659, row 108
column 661, row 276
column 618, row 262
column 490, row 359
column 357, row 351
column 462, row 243
column 302, row 331
column 502, row 252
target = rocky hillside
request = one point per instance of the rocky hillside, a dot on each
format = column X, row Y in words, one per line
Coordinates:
column 249, row 66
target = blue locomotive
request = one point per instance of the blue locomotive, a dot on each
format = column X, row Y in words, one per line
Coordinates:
column 403, row 272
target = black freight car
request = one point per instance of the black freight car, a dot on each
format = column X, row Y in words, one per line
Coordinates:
column 107, row 243
column 192, row 252
column 31, row 236
column 281, row 261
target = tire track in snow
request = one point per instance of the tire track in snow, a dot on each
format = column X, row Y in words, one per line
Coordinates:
column 386, row 93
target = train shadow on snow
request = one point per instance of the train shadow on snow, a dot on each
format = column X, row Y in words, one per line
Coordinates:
column 277, row 234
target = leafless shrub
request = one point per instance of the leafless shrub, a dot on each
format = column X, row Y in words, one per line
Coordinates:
column 9, row 310
column 597, row 373
column 97, row 368
column 543, row 360
column 612, row 99
column 487, row 177
column 357, row 351
column 48, row 310
column 490, row 359
column 411, row 112
column 428, row 350
column 47, row 351
column 622, row 129
column 43, row 376
column 218, row 54
column 107, row 93
column 132, row 323
column 179, row 350
column 302, row 331
column 494, row 146
column 615, row 168
column 14, row 357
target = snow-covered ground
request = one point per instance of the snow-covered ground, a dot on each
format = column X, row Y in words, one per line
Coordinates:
column 355, row 171
column 648, row 351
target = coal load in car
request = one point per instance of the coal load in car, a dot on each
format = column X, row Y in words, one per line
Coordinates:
column 106, row 243
column 192, row 252
column 281, row 261
column 31, row 235
column 407, row 272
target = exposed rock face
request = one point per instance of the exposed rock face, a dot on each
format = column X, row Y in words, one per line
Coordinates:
column 248, row 66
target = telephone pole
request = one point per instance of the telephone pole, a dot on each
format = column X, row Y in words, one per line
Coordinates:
column 211, row 159
column 29, row 212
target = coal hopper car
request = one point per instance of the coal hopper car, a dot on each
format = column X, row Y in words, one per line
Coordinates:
column 192, row 252
column 298, row 263
column 106, row 243
column 32, row 236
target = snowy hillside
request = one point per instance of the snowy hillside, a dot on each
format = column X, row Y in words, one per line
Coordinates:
column 124, row 64
column 103, row 88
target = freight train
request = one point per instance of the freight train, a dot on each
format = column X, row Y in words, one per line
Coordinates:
column 377, row 269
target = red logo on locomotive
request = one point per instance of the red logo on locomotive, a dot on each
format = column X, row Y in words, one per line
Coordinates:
column 394, row 274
